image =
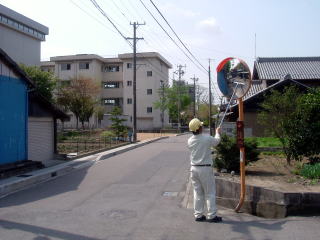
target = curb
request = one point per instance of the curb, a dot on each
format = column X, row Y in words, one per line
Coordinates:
column 265, row 202
column 187, row 199
column 261, row 201
column 27, row 180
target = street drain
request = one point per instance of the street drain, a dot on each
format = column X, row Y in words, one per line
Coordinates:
column 170, row 194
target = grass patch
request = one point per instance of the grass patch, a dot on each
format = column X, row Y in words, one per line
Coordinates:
column 311, row 171
column 277, row 153
column 267, row 142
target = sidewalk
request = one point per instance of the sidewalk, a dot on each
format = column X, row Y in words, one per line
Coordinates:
column 17, row 183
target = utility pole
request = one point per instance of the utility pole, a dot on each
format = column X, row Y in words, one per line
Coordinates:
column 194, row 94
column 135, row 26
column 180, row 74
column 210, row 100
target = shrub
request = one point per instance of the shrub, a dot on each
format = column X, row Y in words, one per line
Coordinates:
column 228, row 156
column 311, row 171
column 107, row 135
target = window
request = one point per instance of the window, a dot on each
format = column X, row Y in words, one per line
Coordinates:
column 129, row 100
column 149, row 91
column 65, row 66
column 149, row 109
column 111, row 85
column 129, row 65
column 129, row 83
column 111, row 69
column 149, row 73
column 84, row 65
column 109, row 101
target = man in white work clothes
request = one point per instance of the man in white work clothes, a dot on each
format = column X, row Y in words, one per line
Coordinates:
column 202, row 176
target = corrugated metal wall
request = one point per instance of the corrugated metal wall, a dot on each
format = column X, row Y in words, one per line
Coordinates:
column 40, row 139
column 13, row 118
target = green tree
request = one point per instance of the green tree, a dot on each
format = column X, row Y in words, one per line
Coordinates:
column 278, row 112
column 80, row 97
column 304, row 131
column 45, row 82
column 170, row 98
column 203, row 112
column 117, row 123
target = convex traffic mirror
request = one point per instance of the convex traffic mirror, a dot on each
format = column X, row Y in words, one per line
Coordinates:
column 234, row 77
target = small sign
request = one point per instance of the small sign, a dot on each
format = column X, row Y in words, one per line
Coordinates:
column 240, row 134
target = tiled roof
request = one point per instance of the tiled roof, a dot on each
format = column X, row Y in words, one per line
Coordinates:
column 297, row 67
column 256, row 86
column 256, row 92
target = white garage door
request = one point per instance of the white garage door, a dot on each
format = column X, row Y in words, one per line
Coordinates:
column 40, row 139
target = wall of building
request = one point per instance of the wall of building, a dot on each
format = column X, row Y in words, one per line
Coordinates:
column 144, row 82
column 20, row 37
column 21, row 48
column 13, row 120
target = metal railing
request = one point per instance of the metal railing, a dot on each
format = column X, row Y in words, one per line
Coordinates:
column 80, row 145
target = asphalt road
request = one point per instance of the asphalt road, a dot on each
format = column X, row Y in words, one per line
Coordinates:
column 136, row 195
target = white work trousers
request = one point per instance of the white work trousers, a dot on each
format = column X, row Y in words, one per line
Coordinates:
column 204, row 191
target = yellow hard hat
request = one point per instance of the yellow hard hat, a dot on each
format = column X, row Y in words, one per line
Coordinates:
column 195, row 124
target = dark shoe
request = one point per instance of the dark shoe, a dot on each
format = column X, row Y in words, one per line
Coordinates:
column 216, row 219
column 200, row 219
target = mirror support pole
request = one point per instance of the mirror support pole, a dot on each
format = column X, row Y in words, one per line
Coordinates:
column 210, row 100
column 242, row 163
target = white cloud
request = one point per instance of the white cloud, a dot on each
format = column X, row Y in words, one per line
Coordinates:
column 210, row 25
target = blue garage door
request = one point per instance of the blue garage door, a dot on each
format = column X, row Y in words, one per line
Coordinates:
column 13, row 120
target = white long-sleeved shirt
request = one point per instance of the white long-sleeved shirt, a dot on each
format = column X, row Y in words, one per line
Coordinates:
column 200, row 147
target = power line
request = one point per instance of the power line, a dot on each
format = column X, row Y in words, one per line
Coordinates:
column 178, row 36
column 170, row 36
column 141, row 54
column 106, row 16
column 91, row 16
column 151, row 32
column 120, row 10
column 128, row 9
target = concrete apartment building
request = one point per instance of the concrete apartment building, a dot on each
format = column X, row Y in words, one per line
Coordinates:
column 21, row 37
column 115, row 76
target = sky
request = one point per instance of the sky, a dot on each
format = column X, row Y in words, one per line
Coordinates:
column 210, row 29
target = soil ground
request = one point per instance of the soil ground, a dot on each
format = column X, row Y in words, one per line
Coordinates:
column 145, row 136
column 272, row 172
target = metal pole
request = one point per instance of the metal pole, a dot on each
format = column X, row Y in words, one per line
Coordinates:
column 179, row 103
column 134, row 83
column 210, row 103
column 242, row 162
column 234, row 91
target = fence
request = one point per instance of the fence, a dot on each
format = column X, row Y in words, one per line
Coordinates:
column 80, row 145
